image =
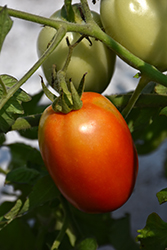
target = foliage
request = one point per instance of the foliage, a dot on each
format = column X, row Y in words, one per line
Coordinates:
column 40, row 218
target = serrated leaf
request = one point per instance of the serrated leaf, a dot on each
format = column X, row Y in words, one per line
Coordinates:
column 25, row 155
column 162, row 196
column 88, row 244
column 22, row 175
column 43, row 191
column 154, row 235
column 5, row 25
column 11, row 215
column 14, row 211
column 12, row 108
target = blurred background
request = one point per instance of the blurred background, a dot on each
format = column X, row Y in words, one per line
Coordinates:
column 19, row 54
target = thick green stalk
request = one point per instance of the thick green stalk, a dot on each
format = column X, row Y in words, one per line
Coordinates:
column 142, row 83
column 61, row 234
column 87, row 12
column 59, row 36
column 94, row 31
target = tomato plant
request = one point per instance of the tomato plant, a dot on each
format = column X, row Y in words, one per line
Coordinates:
column 140, row 26
column 90, row 56
column 90, row 154
column 86, row 145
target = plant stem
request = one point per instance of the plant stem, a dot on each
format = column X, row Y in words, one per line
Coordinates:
column 142, row 83
column 87, row 12
column 59, row 36
column 70, row 216
column 93, row 30
column 61, row 234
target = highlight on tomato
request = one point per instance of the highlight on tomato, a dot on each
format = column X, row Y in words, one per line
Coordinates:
column 90, row 154
column 89, row 56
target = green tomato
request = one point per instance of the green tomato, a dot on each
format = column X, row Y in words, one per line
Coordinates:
column 140, row 26
column 93, row 58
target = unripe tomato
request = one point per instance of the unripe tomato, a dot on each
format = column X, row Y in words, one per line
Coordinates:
column 140, row 26
column 94, row 59
column 90, row 154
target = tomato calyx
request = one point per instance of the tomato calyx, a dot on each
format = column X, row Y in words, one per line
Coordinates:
column 69, row 97
column 72, row 13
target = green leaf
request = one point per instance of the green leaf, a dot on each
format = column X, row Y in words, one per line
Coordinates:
column 14, row 211
column 151, row 137
column 161, row 90
column 43, row 191
column 5, row 207
column 13, row 107
column 5, row 25
column 67, row 11
column 23, row 155
column 164, row 111
column 32, row 110
column 22, row 175
column 154, row 235
column 88, row 244
column 146, row 100
column 34, row 106
column 162, row 196
column 11, row 215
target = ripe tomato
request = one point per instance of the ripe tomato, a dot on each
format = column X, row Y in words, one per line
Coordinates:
column 96, row 60
column 140, row 26
column 90, row 154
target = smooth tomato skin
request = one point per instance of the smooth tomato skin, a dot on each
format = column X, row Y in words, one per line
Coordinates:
column 140, row 26
column 96, row 60
column 90, row 154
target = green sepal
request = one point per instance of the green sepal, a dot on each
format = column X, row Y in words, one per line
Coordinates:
column 77, row 103
column 81, row 86
column 67, row 11
column 61, row 104
column 47, row 92
column 62, row 85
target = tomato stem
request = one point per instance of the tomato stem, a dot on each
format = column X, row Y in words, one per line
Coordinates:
column 59, row 36
column 70, row 98
column 62, row 232
column 86, row 11
column 142, row 83
column 72, row 222
column 93, row 30
column 71, row 48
